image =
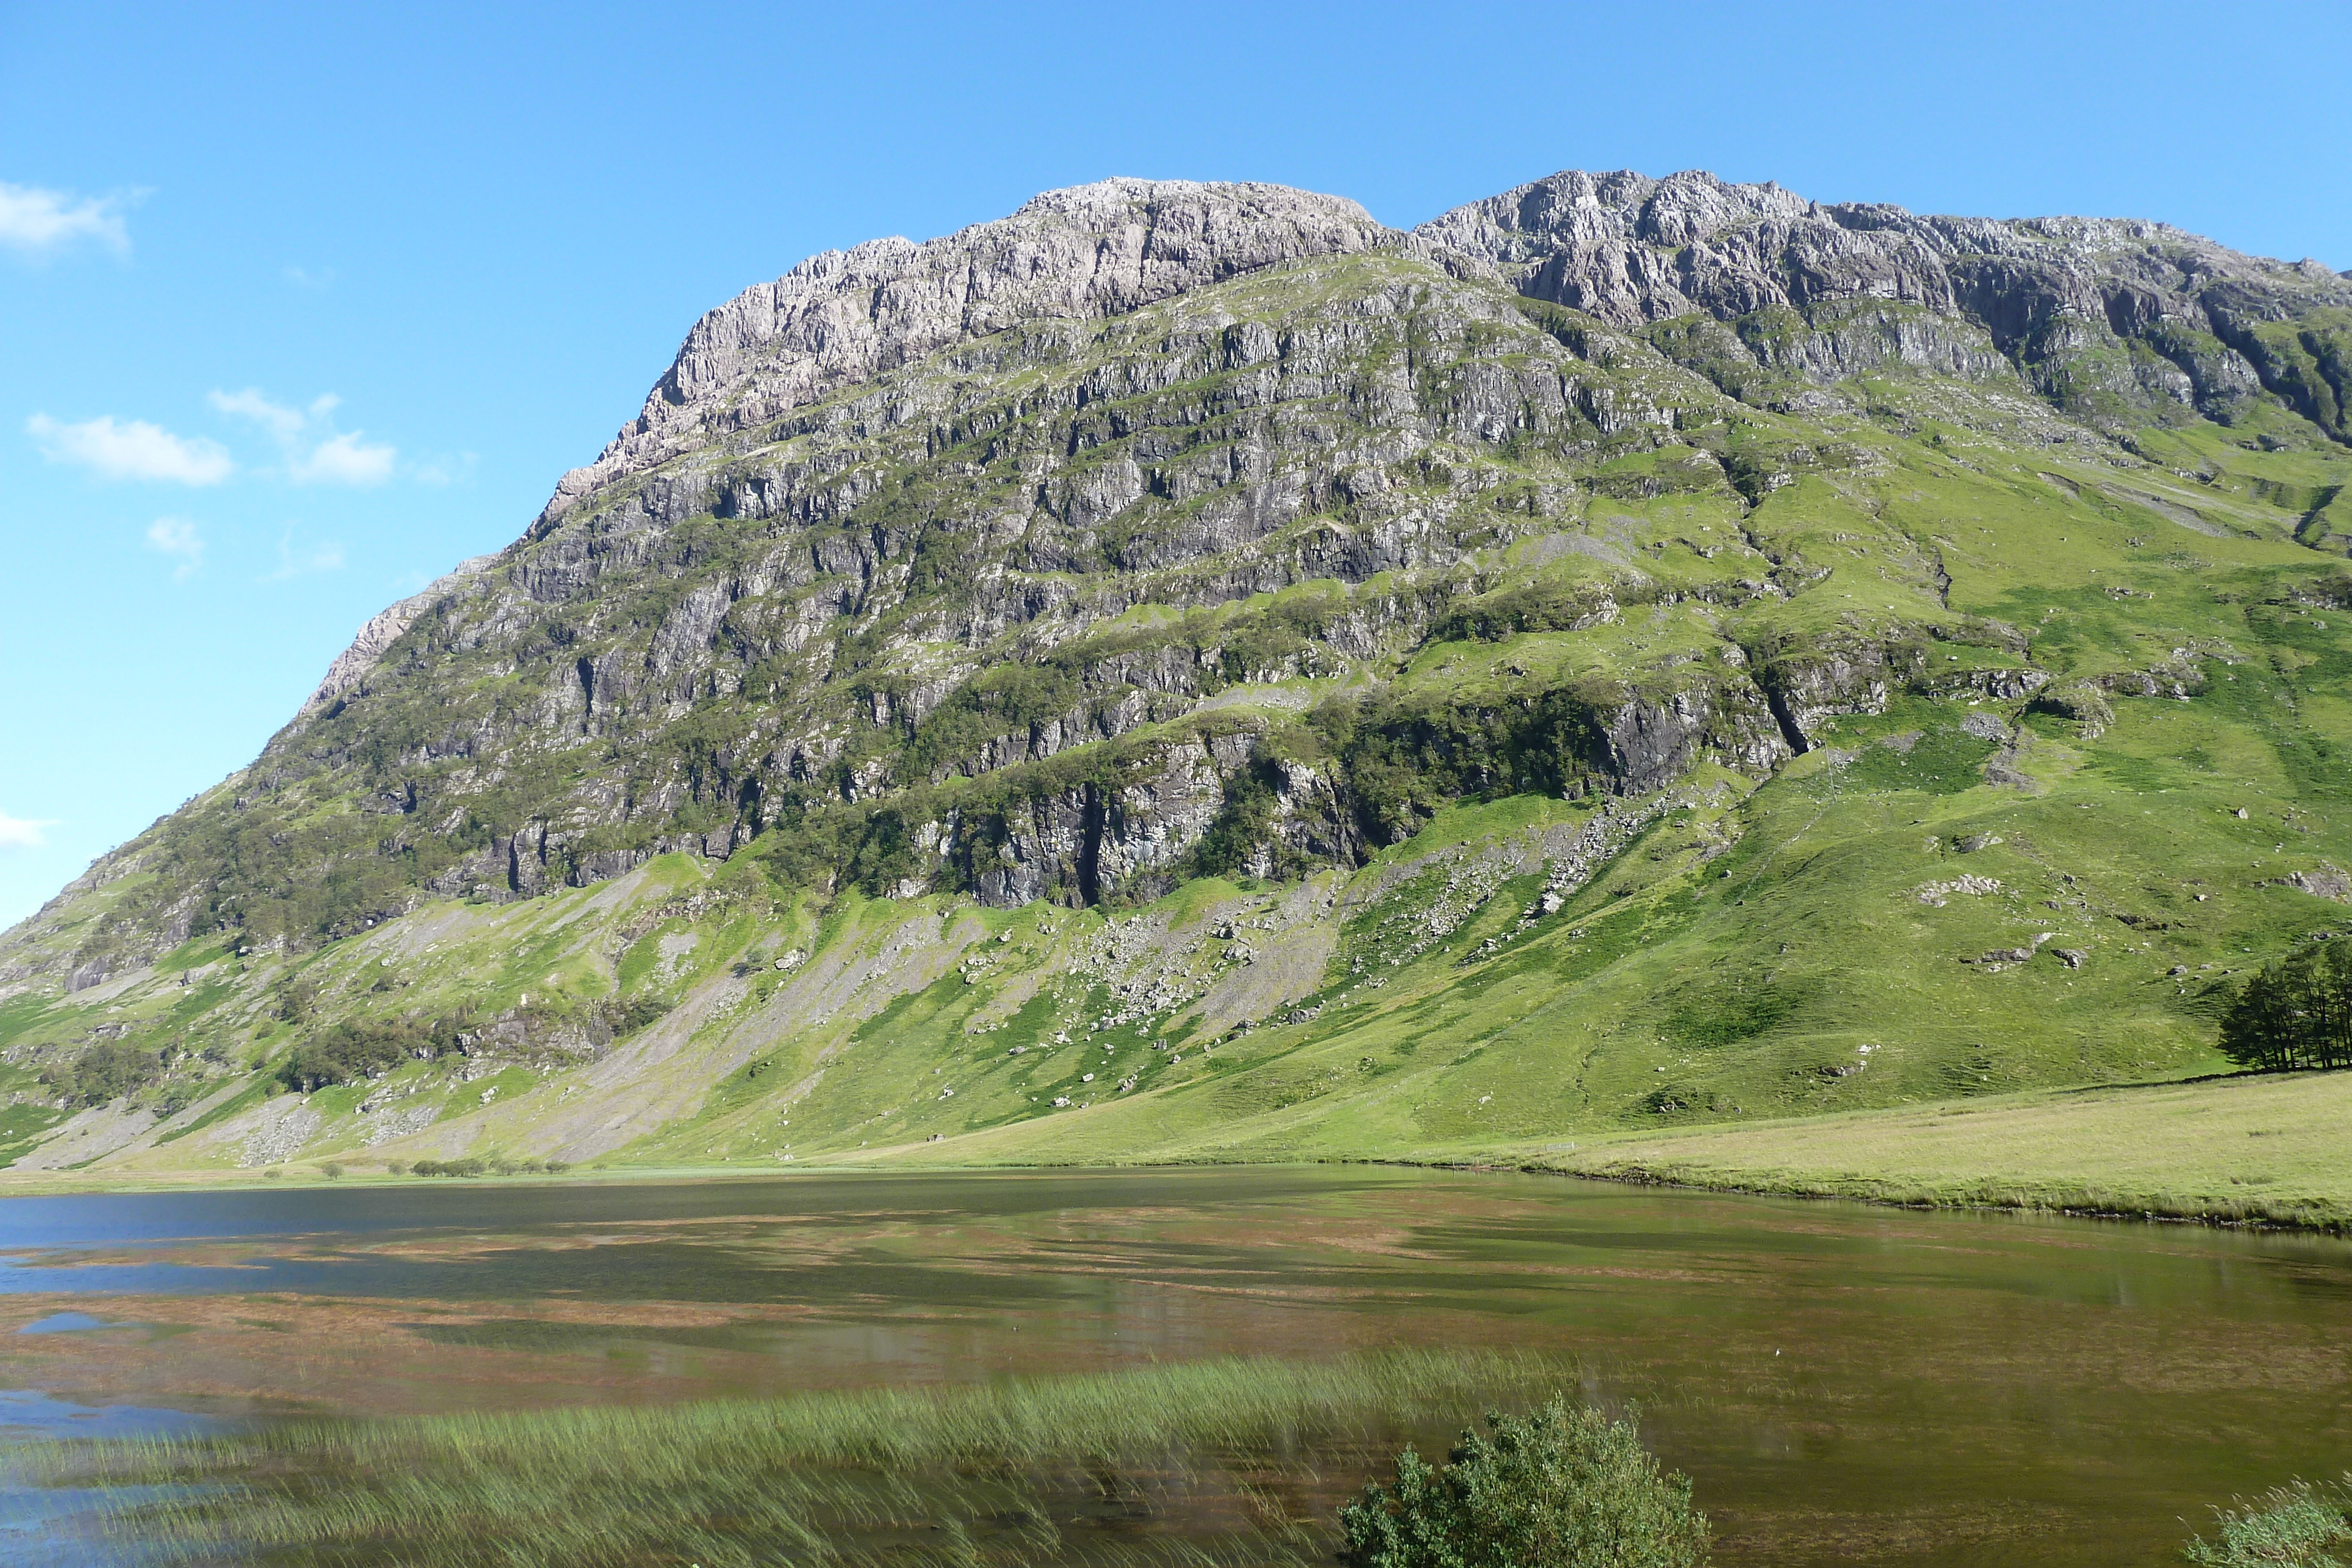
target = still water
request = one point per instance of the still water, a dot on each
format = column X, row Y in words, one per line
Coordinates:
column 1845, row 1384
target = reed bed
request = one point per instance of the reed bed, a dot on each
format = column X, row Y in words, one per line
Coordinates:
column 1192, row 1466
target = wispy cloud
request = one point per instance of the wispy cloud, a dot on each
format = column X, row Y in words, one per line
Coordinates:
column 447, row 469
column 312, row 456
column 40, row 222
column 17, row 833
column 308, row 561
column 345, row 460
column 176, row 537
column 134, row 449
column 283, row 422
column 305, row 278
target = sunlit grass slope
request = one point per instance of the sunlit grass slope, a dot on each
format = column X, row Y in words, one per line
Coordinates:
column 2271, row 1150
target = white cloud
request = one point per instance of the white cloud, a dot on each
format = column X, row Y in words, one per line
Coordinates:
column 176, row 537
column 345, row 460
column 39, row 222
column 132, row 450
column 307, row 562
column 303, row 278
column 17, row 833
column 340, row 459
column 285, row 424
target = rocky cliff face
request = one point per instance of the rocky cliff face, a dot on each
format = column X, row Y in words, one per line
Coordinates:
column 845, row 316
column 1164, row 532
column 2109, row 318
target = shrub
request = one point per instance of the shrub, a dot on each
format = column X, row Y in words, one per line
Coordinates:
column 348, row 1053
column 495, row 1166
column 106, row 1070
column 2290, row 1529
column 1555, row 1489
column 627, row 1018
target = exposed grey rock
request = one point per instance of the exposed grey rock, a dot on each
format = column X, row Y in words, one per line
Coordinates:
column 2083, row 702
column 841, row 316
column 2058, row 298
column 2326, row 882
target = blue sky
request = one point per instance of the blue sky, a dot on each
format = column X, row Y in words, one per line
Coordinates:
column 301, row 305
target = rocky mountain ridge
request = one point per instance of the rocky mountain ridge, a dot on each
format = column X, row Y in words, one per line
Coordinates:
column 1165, row 538
column 2100, row 315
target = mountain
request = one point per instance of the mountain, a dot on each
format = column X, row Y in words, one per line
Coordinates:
column 1186, row 671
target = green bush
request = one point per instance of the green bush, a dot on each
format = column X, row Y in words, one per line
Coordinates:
column 636, row 1013
column 2290, row 1529
column 106, row 1070
column 472, row 1166
column 348, row 1053
column 1555, row 1489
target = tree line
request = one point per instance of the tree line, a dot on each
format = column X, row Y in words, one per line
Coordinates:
column 2297, row 1013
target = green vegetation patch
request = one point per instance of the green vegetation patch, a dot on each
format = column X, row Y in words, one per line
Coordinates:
column 1943, row 760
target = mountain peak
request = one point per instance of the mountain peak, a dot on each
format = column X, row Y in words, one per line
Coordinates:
column 1632, row 250
column 841, row 316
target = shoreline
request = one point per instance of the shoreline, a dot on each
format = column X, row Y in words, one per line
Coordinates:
column 2334, row 1226
column 2254, row 1152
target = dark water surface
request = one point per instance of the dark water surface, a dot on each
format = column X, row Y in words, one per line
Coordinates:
column 1846, row 1384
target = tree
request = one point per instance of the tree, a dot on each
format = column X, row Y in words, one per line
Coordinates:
column 1554, row 1488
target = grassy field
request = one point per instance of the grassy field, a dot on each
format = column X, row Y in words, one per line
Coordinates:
column 2270, row 1149
column 1197, row 1464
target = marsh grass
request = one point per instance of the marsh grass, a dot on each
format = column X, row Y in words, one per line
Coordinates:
column 1199, row 1464
column 2297, row 1525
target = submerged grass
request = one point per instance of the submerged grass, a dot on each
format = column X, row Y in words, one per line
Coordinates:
column 977, row 1475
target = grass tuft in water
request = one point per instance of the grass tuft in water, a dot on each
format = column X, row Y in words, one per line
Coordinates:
column 1191, row 1464
column 2298, row 1525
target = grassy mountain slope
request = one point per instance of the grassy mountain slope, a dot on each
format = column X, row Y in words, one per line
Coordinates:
column 1344, row 706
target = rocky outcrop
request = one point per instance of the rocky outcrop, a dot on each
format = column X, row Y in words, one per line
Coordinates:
column 1812, row 679
column 842, row 316
column 2097, row 313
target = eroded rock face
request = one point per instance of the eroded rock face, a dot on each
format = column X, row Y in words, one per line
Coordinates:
column 842, row 316
column 2059, row 297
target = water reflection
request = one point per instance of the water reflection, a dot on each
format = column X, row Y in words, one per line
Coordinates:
column 1845, row 1384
